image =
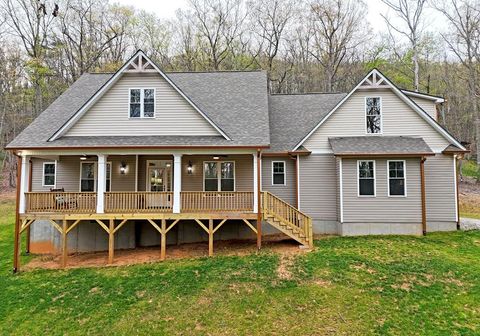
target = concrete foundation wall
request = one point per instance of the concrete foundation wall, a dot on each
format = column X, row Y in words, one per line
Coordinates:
column 362, row 229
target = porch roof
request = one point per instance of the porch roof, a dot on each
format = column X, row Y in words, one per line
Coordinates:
column 235, row 101
column 379, row 145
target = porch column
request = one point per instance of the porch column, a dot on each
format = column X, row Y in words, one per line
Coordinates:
column 23, row 183
column 101, row 175
column 255, row 183
column 177, row 181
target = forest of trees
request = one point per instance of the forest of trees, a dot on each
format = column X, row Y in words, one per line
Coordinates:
column 304, row 45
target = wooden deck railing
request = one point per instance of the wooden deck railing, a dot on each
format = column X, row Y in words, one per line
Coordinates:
column 132, row 202
column 71, row 202
column 288, row 214
column 216, row 201
column 139, row 202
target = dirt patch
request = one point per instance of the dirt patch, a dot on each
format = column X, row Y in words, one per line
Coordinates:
column 152, row 254
column 469, row 196
column 283, row 269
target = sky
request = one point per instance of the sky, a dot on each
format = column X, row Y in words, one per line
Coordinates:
column 167, row 8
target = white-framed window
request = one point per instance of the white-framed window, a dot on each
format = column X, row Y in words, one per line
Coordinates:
column 49, row 174
column 219, row 176
column 278, row 173
column 366, row 178
column 373, row 115
column 141, row 103
column 397, row 178
column 88, row 176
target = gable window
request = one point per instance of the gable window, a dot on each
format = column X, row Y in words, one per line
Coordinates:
column 142, row 103
column 278, row 173
column 219, row 176
column 49, row 174
column 396, row 178
column 373, row 111
column 88, row 176
column 366, row 178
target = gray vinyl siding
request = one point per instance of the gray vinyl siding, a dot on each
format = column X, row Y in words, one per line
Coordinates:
column 427, row 105
column 381, row 208
column 440, row 189
column 398, row 120
column 122, row 182
column 68, row 173
column 318, row 187
column 109, row 116
column 243, row 171
column 286, row 192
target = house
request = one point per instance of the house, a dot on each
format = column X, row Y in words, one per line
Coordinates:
column 140, row 157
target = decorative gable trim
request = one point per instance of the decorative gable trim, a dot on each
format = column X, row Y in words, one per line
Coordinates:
column 376, row 80
column 138, row 63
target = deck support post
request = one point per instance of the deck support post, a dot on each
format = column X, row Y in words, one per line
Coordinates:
column 177, row 181
column 111, row 241
column 422, row 187
column 259, row 203
column 210, row 237
column 163, row 239
column 64, row 243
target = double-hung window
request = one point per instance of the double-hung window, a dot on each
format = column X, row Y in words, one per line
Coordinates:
column 142, row 103
column 88, row 176
column 373, row 115
column 396, row 178
column 278, row 173
column 366, row 178
column 219, row 176
column 49, row 174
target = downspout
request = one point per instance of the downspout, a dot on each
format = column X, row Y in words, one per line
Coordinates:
column 457, row 212
column 27, row 233
column 16, row 244
column 422, row 183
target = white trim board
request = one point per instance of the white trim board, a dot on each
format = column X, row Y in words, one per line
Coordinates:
column 112, row 81
column 401, row 95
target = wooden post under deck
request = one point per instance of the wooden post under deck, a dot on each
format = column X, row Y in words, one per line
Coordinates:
column 422, row 185
column 210, row 237
column 259, row 205
column 163, row 240
column 16, row 245
column 64, row 243
column 111, row 241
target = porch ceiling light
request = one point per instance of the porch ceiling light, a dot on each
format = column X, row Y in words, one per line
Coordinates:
column 123, row 168
column 83, row 157
column 189, row 168
column 216, row 157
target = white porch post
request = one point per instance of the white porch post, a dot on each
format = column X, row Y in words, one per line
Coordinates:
column 101, row 176
column 177, row 181
column 255, row 183
column 23, row 183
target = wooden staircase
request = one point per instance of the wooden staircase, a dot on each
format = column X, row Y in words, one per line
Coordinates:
column 287, row 219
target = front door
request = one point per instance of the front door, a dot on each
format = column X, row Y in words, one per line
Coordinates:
column 159, row 179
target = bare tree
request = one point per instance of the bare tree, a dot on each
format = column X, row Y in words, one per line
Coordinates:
column 464, row 41
column 410, row 13
column 337, row 28
column 218, row 25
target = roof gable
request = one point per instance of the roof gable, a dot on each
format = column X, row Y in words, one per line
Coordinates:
column 376, row 80
column 138, row 63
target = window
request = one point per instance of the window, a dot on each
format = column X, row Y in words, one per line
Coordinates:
column 142, row 103
column 219, row 176
column 373, row 110
column 88, row 176
column 396, row 178
column 366, row 178
column 278, row 173
column 49, row 173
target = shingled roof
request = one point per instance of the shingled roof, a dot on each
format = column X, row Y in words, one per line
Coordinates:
column 293, row 116
column 379, row 145
column 235, row 101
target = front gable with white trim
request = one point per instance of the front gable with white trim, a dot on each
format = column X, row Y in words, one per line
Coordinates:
column 399, row 118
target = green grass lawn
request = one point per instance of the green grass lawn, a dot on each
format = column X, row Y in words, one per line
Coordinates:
column 346, row 286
